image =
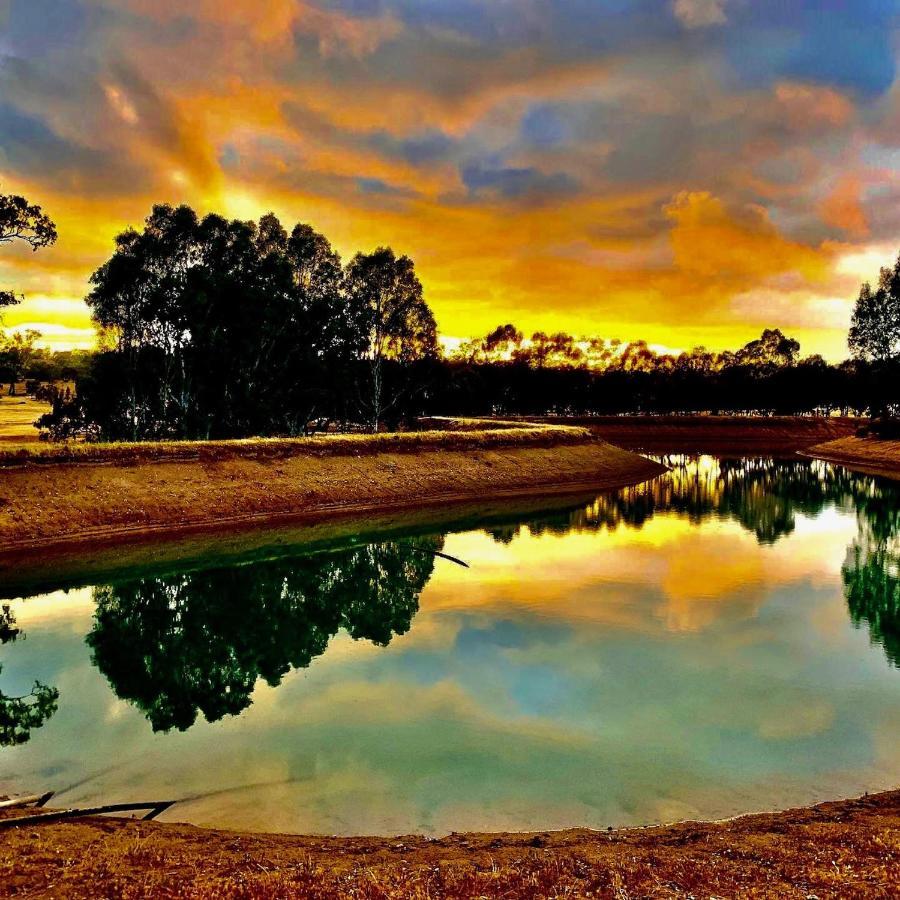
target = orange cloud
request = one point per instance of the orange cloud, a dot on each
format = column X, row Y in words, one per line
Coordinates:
column 723, row 250
column 842, row 208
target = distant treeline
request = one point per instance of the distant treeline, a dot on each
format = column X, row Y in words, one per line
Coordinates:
column 216, row 328
column 557, row 374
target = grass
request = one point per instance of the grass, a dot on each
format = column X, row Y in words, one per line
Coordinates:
column 457, row 434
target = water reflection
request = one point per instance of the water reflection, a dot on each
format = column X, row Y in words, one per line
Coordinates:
column 181, row 644
column 762, row 495
column 20, row 714
column 198, row 642
column 765, row 496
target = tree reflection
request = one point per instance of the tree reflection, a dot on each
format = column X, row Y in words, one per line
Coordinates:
column 871, row 571
column 762, row 495
column 20, row 715
column 765, row 496
column 199, row 641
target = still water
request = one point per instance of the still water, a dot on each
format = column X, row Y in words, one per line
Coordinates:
column 725, row 638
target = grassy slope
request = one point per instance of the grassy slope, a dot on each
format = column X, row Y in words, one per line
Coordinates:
column 458, row 434
column 863, row 454
column 119, row 491
column 842, row 849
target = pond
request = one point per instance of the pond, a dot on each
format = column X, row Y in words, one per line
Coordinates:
column 723, row 639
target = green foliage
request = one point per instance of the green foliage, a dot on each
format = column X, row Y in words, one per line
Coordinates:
column 387, row 302
column 231, row 329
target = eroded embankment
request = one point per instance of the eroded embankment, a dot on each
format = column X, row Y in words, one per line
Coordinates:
column 53, row 498
column 849, row 848
column 870, row 456
column 726, row 435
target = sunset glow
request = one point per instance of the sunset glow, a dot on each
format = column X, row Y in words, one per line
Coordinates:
column 679, row 171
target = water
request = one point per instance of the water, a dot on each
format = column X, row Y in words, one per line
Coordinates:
column 721, row 640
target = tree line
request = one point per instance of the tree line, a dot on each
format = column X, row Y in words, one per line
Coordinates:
column 217, row 328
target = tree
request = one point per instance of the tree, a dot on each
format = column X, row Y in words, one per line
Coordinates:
column 16, row 354
column 218, row 328
column 772, row 348
column 387, row 301
column 26, row 222
column 875, row 325
column 875, row 331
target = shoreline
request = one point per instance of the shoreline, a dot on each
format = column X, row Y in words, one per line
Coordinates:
column 61, row 500
column 43, row 569
column 870, row 456
column 832, row 849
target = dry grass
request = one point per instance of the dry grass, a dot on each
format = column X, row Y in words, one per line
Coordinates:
column 844, row 849
column 863, row 454
column 17, row 418
column 458, row 434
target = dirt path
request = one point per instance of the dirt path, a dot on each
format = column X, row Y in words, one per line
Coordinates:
column 844, row 849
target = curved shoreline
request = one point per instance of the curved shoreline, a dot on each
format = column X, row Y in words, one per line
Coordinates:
column 861, row 454
column 835, row 849
column 52, row 503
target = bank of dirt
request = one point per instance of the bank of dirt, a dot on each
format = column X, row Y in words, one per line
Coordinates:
column 862, row 454
column 130, row 492
column 843, row 849
column 726, row 435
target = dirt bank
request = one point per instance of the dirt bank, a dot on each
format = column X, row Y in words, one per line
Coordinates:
column 738, row 435
column 67, row 567
column 844, row 849
column 862, row 454
column 129, row 492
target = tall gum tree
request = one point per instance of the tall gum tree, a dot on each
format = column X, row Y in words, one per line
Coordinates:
column 387, row 301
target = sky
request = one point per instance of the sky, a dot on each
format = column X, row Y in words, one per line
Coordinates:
column 684, row 172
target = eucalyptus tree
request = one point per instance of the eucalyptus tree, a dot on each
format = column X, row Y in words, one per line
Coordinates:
column 219, row 328
column 396, row 325
column 875, row 333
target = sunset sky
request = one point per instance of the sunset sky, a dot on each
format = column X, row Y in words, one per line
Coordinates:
column 682, row 171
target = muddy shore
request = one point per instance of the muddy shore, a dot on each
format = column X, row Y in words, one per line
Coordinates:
column 848, row 848
column 51, row 500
